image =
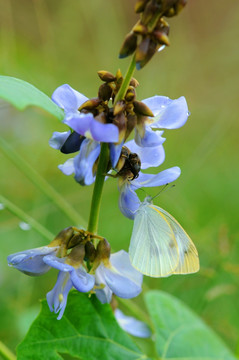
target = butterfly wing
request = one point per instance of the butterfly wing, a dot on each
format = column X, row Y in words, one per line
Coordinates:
column 188, row 255
column 153, row 248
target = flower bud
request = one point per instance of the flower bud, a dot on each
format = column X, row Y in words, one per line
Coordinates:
column 134, row 82
column 142, row 50
column 142, row 109
column 106, row 76
column 140, row 28
column 140, row 6
column 130, row 94
column 90, row 104
column 129, row 45
column 131, row 123
column 105, row 92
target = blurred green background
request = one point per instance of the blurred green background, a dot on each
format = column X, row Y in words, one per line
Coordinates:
column 49, row 43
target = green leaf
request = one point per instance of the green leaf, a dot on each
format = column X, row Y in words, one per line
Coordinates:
column 21, row 94
column 87, row 331
column 180, row 333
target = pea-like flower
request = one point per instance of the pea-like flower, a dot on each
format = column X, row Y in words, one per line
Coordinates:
column 68, row 277
column 117, row 276
column 31, row 262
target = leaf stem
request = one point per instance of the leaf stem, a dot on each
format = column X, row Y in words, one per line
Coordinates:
column 98, row 188
column 40, row 182
column 6, row 353
column 122, row 91
column 26, row 218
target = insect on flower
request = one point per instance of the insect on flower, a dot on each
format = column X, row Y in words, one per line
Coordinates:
column 159, row 246
column 129, row 164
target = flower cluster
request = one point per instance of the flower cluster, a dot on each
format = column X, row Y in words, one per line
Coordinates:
column 93, row 121
column 81, row 266
column 150, row 33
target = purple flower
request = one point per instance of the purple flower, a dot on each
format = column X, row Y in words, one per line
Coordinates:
column 31, row 262
column 119, row 277
column 168, row 114
column 68, row 277
column 83, row 123
column 131, row 325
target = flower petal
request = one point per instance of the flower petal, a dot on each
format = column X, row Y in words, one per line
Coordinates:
column 104, row 132
column 67, row 98
column 149, row 156
column 162, row 178
column 169, row 114
column 151, row 138
column 115, row 151
column 57, row 263
column 57, row 297
column 68, row 167
column 104, row 294
column 128, row 200
column 79, row 122
column 81, row 280
column 84, row 162
column 124, row 280
column 131, row 325
column 58, row 139
column 31, row 262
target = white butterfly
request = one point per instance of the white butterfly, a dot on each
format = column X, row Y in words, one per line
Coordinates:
column 159, row 246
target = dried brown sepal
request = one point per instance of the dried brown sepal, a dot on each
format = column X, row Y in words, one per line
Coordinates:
column 131, row 123
column 106, row 76
column 120, row 121
column 129, row 45
column 119, row 107
column 63, row 237
column 90, row 104
column 105, row 92
column 103, row 250
column 140, row 29
column 162, row 38
column 90, row 251
column 77, row 255
column 75, row 240
column 142, row 109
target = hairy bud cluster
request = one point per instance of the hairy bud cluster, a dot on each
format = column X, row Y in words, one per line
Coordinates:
column 151, row 32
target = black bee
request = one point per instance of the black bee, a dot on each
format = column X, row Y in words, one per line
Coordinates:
column 129, row 164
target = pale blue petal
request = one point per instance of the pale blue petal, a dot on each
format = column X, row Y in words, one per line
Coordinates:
column 151, row 138
column 31, row 262
column 84, row 162
column 80, row 122
column 128, row 200
column 124, row 280
column 104, row 132
column 131, row 325
column 57, row 263
column 104, row 294
column 169, row 114
column 81, row 280
column 67, row 98
column 162, row 178
column 68, row 167
column 58, row 139
column 149, row 156
column 57, row 297
column 115, row 151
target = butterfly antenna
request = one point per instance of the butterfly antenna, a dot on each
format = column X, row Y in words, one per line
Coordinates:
column 164, row 188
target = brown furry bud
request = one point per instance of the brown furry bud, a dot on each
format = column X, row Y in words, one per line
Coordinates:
column 142, row 109
column 129, row 45
column 90, row 104
column 106, row 76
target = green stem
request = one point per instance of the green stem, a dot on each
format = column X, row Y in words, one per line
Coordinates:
column 26, row 218
column 122, row 91
column 6, row 353
column 40, row 183
column 98, row 187
column 104, row 159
